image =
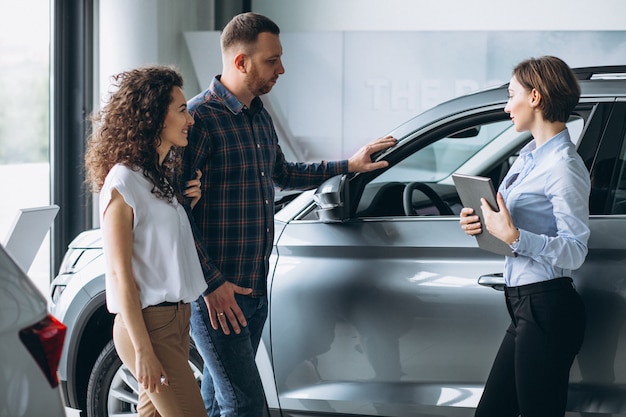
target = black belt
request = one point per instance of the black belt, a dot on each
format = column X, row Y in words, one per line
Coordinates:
column 169, row 304
column 539, row 287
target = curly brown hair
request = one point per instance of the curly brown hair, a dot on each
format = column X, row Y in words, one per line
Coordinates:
column 127, row 129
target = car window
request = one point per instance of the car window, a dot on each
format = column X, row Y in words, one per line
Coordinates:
column 443, row 157
column 575, row 126
column 487, row 149
column 618, row 204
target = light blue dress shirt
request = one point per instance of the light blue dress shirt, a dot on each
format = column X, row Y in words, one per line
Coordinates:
column 547, row 194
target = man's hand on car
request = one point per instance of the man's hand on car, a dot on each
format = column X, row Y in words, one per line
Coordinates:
column 361, row 161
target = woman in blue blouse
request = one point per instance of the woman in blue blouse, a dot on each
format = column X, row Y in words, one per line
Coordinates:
column 543, row 215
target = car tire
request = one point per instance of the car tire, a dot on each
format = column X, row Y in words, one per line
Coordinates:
column 112, row 389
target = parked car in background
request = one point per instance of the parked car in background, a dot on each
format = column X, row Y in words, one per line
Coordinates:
column 379, row 304
column 31, row 341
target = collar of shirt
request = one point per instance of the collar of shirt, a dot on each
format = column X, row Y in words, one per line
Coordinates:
column 530, row 156
column 232, row 103
column 548, row 148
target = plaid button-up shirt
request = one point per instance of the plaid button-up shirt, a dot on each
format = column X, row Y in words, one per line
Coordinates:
column 237, row 150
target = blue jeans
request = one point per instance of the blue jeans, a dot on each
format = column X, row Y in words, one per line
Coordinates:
column 231, row 385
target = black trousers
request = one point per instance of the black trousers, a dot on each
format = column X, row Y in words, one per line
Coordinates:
column 530, row 374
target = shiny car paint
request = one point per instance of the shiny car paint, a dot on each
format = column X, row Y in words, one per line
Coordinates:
column 29, row 347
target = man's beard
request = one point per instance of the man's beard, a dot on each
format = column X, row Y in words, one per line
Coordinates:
column 256, row 84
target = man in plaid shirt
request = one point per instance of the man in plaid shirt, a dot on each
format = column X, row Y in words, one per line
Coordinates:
column 234, row 145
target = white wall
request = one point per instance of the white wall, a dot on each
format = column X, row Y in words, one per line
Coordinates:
column 355, row 69
column 141, row 32
column 341, row 89
column 456, row 15
column 395, row 61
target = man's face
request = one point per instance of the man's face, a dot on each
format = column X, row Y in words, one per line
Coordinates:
column 264, row 65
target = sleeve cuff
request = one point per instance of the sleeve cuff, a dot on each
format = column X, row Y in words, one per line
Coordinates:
column 337, row 167
column 516, row 244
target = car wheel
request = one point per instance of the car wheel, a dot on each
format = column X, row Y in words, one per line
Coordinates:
column 113, row 390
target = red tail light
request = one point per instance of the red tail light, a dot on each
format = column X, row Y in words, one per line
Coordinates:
column 44, row 341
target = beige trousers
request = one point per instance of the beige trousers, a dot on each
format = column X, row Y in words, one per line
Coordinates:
column 169, row 332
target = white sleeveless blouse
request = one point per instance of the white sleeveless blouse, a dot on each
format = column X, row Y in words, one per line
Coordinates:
column 164, row 260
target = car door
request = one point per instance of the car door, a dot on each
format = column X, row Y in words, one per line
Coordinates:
column 598, row 377
column 382, row 313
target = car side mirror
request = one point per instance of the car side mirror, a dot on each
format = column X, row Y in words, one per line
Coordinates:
column 332, row 199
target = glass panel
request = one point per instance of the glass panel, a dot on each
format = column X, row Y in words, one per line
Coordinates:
column 575, row 126
column 443, row 157
column 24, row 116
column 487, row 149
column 619, row 199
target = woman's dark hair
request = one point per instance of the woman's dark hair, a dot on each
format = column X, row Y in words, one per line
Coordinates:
column 245, row 28
column 128, row 127
column 555, row 81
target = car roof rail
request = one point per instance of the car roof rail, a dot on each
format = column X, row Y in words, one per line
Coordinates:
column 601, row 72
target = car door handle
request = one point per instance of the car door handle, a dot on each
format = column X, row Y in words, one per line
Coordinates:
column 495, row 281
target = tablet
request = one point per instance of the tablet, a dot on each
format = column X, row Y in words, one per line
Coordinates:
column 471, row 189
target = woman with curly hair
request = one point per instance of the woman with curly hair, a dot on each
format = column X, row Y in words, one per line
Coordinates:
column 152, row 266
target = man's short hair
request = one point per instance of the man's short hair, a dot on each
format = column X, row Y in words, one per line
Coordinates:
column 244, row 29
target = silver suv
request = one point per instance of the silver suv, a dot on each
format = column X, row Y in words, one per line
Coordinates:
column 379, row 304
